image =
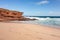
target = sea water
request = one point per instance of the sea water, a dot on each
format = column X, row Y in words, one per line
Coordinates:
column 45, row 20
column 51, row 21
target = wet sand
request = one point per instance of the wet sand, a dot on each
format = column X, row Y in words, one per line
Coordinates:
column 20, row 31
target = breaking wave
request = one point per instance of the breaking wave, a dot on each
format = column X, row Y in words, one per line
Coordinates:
column 54, row 22
column 45, row 21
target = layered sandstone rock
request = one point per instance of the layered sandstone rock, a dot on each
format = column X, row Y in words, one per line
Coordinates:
column 8, row 15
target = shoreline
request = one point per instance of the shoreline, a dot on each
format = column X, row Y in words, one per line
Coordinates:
column 50, row 26
column 22, row 31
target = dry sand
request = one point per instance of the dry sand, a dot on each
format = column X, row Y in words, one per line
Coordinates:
column 20, row 31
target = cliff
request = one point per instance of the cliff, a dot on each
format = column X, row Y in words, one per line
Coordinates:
column 11, row 15
column 8, row 15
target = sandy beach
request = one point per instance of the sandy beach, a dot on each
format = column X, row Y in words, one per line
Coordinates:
column 20, row 31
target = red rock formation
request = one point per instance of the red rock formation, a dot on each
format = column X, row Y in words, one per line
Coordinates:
column 7, row 15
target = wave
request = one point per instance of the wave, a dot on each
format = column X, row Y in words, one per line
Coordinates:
column 46, row 21
column 39, row 18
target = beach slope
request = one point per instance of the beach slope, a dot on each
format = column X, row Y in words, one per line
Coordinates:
column 20, row 31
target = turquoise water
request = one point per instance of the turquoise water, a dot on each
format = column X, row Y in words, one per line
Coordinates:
column 45, row 21
column 48, row 21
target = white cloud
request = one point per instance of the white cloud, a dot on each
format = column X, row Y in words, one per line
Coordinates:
column 43, row 2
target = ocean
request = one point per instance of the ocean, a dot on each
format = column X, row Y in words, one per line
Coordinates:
column 53, row 21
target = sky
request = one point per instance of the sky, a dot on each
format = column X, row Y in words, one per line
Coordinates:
column 33, row 7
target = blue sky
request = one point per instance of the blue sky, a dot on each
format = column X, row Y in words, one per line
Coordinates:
column 33, row 7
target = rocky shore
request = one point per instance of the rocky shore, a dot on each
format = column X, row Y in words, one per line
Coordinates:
column 11, row 15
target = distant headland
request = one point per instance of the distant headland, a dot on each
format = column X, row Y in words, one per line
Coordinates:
column 11, row 15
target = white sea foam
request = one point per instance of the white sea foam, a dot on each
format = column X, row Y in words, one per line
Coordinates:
column 39, row 18
column 48, row 21
column 44, row 21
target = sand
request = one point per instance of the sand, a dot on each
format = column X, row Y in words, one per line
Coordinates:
column 20, row 31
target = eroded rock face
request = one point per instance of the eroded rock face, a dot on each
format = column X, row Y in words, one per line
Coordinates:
column 8, row 15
